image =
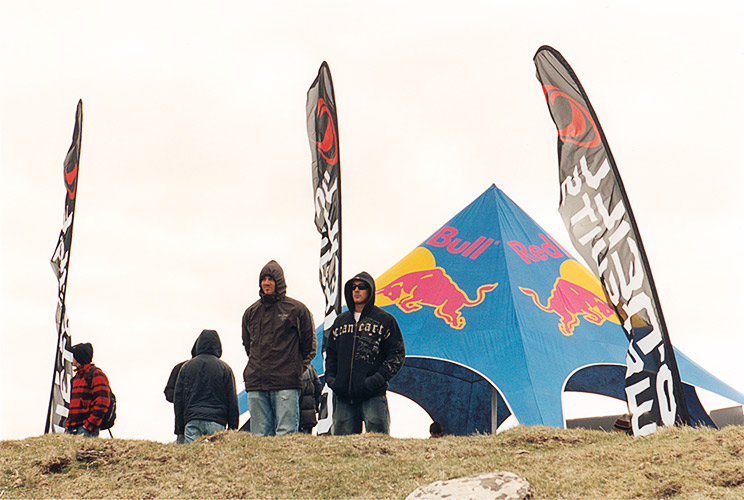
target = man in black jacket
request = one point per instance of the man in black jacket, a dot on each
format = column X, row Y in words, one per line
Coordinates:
column 205, row 399
column 310, row 400
column 365, row 350
column 279, row 339
column 170, row 386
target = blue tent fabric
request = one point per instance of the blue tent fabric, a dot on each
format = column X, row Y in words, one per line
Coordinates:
column 609, row 380
column 491, row 306
column 242, row 402
column 606, row 380
column 453, row 395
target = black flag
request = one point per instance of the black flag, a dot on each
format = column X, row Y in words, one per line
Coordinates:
column 597, row 213
column 322, row 131
column 59, row 400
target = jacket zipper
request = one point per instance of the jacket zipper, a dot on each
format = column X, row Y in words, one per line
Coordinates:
column 353, row 347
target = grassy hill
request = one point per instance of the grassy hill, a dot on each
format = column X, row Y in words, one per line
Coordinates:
column 679, row 463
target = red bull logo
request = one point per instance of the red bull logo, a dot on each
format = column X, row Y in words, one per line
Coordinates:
column 445, row 237
column 431, row 287
column 570, row 300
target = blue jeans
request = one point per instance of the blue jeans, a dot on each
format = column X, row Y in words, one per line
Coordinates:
column 348, row 418
column 196, row 428
column 80, row 430
column 274, row 413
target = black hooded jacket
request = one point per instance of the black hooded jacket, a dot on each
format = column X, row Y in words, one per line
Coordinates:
column 205, row 389
column 361, row 357
column 170, row 386
column 278, row 336
column 310, row 399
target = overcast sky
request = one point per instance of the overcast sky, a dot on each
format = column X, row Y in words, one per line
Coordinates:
column 195, row 164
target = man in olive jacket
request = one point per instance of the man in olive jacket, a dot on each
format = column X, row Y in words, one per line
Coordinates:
column 279, row 339
column 364, row 350
column 205, row 399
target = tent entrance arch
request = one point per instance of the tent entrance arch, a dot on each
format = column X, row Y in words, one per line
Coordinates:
column 609, row 380
column 457, row 397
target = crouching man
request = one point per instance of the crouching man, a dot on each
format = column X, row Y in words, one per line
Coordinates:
column 90, row 396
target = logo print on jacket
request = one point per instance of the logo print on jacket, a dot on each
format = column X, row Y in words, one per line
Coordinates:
column 433, row 288
column 570, row 300
column 582, row 130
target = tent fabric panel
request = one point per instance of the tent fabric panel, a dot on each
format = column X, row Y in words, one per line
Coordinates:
column 451, row 401
column 695, row 407
column 609, row 380
column 606, row 380
column 444, row 367
column 693, row 374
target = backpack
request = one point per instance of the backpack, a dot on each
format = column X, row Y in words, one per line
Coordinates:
column 109, row 418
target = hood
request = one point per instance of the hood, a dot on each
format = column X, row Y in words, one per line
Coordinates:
column 209, row 343
column 363, row 276
column 273, row 269
column 193, row 349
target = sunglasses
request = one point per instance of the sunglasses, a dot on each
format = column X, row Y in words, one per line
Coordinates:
column 360, row 286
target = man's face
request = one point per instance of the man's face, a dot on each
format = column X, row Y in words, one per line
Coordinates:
column 360, row 292
column 268, row 285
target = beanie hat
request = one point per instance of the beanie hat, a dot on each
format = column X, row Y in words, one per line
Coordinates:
column 83, row 353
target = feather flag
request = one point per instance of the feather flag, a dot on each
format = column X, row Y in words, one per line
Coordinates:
column 322, row 131
column 595, row 209
column 59, row 400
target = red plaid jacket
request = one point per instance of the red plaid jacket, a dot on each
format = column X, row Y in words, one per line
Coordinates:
column 90, row 397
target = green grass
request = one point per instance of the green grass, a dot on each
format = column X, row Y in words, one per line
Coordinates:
column 678, row 463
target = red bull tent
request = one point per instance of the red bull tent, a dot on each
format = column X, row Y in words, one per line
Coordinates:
column 499, row 319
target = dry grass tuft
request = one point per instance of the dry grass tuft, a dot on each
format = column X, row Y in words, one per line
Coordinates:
column 95, row 457
column 677, row 463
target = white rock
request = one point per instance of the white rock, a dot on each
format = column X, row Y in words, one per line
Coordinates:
column 489, row 486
